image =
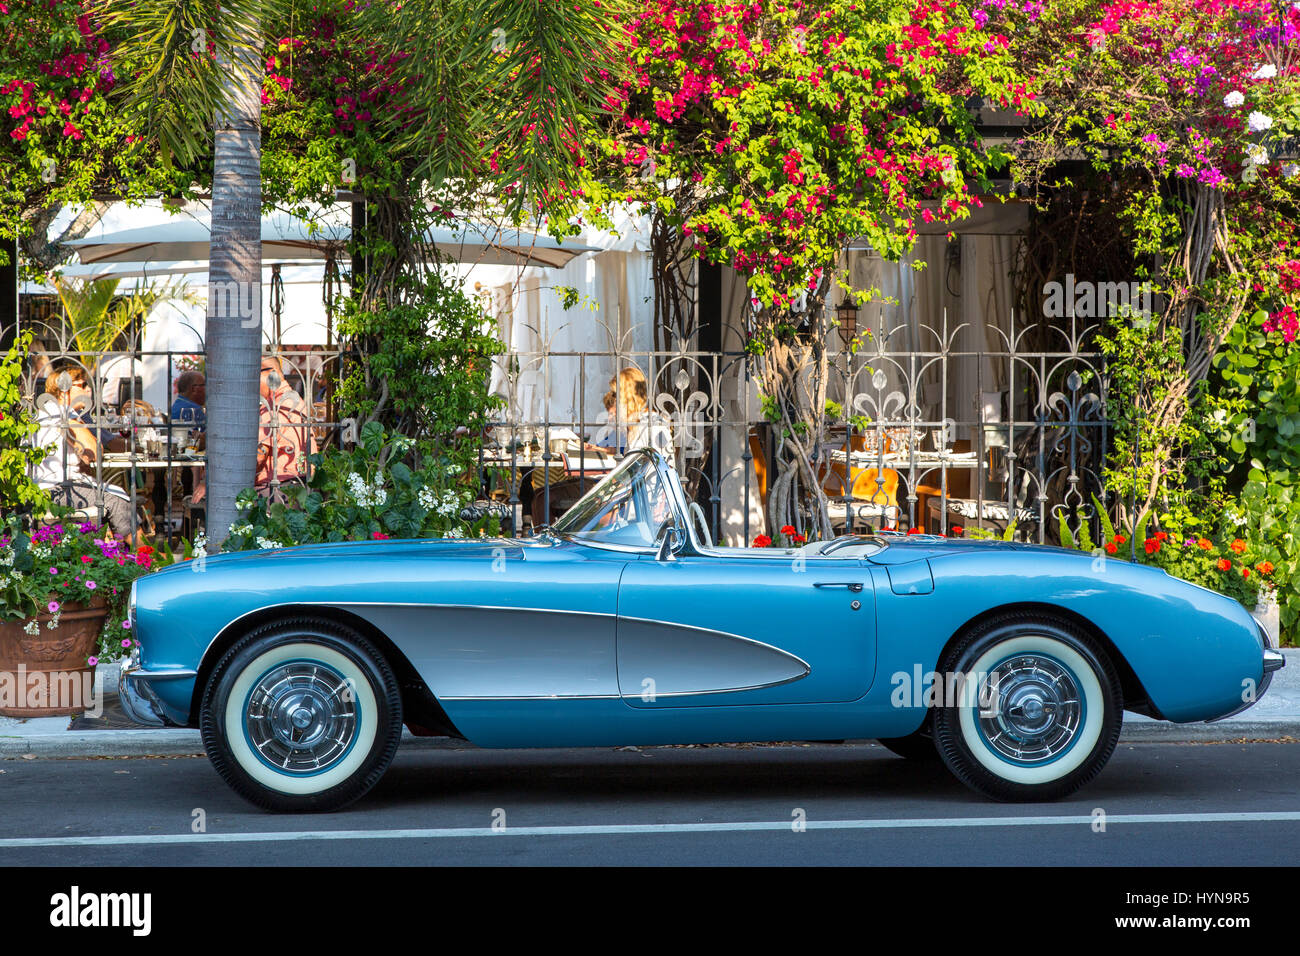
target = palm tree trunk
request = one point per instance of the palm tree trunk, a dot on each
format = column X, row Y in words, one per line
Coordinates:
column 234, row 320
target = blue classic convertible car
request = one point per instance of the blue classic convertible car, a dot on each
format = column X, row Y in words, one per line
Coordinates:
column 623, row 624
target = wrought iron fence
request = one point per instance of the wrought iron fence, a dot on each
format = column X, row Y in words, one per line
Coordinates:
column 930, row 437
column 116, row 450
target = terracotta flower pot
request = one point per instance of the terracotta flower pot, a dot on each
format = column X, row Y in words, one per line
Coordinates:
column 46, row 674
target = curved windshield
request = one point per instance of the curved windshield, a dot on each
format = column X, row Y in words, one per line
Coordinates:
column 629, row 508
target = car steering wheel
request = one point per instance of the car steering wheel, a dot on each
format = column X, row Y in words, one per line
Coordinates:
column 702, row 523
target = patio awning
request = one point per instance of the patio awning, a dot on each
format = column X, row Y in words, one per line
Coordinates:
column 288, row 238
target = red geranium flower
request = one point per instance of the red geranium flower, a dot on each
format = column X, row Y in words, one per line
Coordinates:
column 379, row 536
column 1111, row 547
column 1204, row 544
column 1151, row 545
column 798, row 538
column 1225, row 564
column 913, row 530
column 1161, row 536
column 1245, row 572
column 787, row 529
column 1264, row 567
column 1120, row 539
column 957, row 530
column 762, row 541
column 1237, row 546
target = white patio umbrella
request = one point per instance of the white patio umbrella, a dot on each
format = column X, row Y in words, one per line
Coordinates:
column 285, row 237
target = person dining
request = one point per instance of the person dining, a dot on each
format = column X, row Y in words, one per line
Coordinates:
column 630, row 425
column 635, row 425
column 74, row 447
column 284, row 439
column 191, row 397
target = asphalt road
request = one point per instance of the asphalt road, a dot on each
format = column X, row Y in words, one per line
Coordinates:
column 855, row 804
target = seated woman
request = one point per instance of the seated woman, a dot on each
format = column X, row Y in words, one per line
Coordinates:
column 75, row 447
column 630, row 426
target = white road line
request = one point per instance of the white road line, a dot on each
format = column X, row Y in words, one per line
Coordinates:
column 285, row 836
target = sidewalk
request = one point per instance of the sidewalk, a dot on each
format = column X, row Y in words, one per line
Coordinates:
column 1276, row 715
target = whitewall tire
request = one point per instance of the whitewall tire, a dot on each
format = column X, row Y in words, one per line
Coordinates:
column 1041, row 712
column 301, row 715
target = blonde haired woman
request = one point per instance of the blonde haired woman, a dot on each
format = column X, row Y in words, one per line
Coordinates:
column 633, row 425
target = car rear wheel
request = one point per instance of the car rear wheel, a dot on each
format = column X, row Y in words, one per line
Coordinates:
column 301, row 715
column 1038, row 710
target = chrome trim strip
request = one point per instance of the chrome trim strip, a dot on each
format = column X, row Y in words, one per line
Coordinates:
column 142, row 674
column 1273, row 661
column 730, row 690
column 543, row 697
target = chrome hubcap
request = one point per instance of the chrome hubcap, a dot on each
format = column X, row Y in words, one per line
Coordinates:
column 301, row 717
column 1030, row 708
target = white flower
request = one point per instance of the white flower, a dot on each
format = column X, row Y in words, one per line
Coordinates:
column 54, row 623
column 1290, row 170
column 357, row 489
column 6, row 556
column 1256, row 154
column 266, row 544
column 244, row 528
column 455, row 533
column 1234, row 99
column 1265, row 72
column 1258, row 122
column 378, row 496
column 32, row 628
column 427, row 500
column 18, row 575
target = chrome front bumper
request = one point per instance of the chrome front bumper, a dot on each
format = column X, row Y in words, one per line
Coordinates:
column 1273, row 661
column 141, row 703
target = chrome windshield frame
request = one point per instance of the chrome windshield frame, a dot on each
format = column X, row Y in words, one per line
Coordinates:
column 676, row 501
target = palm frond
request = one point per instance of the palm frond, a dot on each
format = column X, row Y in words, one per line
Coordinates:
column 168, row 65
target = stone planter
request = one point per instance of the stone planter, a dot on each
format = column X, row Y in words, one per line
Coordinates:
column 1267, row 613
column 46, row 674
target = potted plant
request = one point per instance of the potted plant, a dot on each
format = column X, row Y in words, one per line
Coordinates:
column 59, row 584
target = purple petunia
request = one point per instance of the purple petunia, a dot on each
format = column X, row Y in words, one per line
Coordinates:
column 92, row 661
column 90, row 585
column 54, row 570
column 126, row 642
column 127, row 625
column 53, row 607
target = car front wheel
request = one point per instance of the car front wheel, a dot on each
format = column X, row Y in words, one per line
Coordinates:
column 301, row 715
column 1037, row 713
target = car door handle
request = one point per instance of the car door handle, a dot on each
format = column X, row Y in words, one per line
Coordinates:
column 854, row 586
